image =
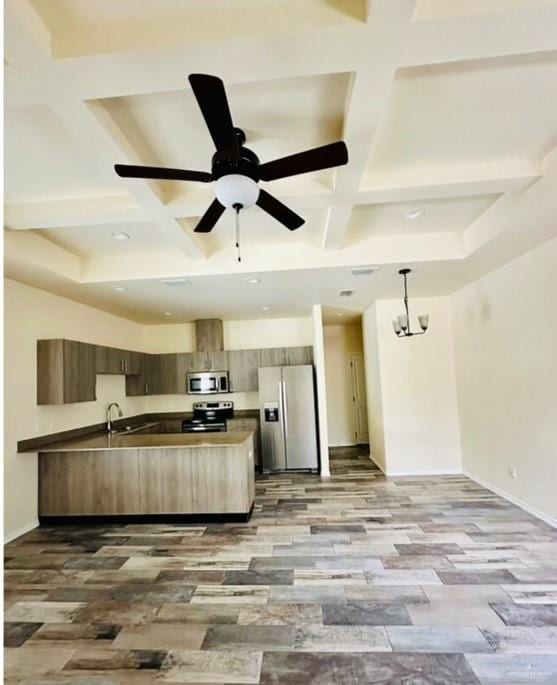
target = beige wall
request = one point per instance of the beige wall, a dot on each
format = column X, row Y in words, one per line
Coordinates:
column 373, row 387
column 340, row 343
column 506, row 361
column 418, row 390
column 30, row 314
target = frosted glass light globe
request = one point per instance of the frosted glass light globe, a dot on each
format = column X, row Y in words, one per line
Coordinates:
column 236, row 189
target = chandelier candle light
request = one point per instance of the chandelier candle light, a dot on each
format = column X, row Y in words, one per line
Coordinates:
column 401, row 324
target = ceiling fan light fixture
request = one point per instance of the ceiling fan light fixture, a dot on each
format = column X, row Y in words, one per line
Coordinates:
column 236, row 189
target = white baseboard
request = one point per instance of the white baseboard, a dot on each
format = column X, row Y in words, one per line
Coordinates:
column 12, row 535
column 515, row 500
column 343, row 444
column 424, row 472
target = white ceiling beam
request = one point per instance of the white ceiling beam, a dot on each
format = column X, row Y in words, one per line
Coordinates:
column 426, row 184
column 467, row 180
column 83, row 211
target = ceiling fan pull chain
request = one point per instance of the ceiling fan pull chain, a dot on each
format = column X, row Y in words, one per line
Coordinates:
column 238, row 207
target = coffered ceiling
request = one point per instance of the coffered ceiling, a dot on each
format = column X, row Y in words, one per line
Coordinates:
column 448, row 108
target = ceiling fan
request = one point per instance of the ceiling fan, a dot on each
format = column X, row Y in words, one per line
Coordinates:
column 235, row 168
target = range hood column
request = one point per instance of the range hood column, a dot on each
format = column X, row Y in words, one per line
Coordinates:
column 209, row 335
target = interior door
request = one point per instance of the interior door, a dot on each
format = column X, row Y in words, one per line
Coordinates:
column 299, row 412
column 359, row 400
column 273, row 452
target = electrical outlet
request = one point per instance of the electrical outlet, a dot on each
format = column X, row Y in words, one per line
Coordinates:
column 512, row 472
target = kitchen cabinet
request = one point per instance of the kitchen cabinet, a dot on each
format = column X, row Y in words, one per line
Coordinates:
column 249, row 424
column 298, row 356
column 134, row 362
column 140, row 383
column 272, row 356
column 112, row 360
column 243, row 365
column 66, row 372
column 218, row 360
column 167, row 380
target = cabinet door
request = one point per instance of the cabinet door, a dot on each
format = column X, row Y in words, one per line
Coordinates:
column 110, row 359
column 272, row 356
column 247, row 424
column 298, row 355
column 218, row 360
column 243, row 365
column 79, row 372
column 199, row 361
column 138, row 383
column 134, row 362
column 169, row 381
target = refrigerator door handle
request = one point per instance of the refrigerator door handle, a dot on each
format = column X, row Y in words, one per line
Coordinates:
column 284, row 409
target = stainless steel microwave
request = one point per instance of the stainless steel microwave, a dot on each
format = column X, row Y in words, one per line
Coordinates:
column 207, row 382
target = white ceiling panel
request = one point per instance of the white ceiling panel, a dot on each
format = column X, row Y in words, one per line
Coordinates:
column 432, row 216
column 42, row 161
column 469, row 113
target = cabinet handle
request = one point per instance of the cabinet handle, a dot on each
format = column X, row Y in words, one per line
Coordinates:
column 146, row 388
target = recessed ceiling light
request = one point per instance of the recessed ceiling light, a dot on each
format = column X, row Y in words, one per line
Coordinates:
column 414, row 213
column 339, row 314
column 168, row 313
column 120, row 288
column 265, row 309
column 253, row 281
column 120, row 235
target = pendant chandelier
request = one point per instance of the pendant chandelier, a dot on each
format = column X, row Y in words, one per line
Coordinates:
column 401, row 324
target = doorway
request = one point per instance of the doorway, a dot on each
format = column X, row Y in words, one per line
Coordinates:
column 359, row 400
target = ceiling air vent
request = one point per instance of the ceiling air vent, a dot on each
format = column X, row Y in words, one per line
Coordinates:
column 346, row 293
column 364, row 270
column 176, row 282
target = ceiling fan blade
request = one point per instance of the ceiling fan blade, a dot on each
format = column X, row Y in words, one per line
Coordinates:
column 325, row 157
column 155, row 172
column 210, row 218
column 211, row 98
column 279, row 211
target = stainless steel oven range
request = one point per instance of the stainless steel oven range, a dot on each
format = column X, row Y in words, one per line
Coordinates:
column 208, row 417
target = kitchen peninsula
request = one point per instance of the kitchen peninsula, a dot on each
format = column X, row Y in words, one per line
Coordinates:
column 148, row 475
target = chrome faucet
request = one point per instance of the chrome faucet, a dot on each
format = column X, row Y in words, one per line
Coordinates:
column 109, row 415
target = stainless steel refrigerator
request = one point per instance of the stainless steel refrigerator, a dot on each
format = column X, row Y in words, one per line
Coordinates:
column 288, row 421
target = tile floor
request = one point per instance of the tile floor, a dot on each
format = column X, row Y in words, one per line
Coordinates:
column 352, row 579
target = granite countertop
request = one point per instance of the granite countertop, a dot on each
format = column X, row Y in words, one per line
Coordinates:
column 121, row 441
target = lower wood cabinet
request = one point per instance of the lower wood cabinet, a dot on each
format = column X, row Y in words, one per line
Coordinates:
column 194, row 480
column 250, row 424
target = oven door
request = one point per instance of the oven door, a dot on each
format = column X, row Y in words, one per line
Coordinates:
column 201, row 384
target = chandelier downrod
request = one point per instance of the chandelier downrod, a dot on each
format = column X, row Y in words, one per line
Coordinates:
column 402, row 325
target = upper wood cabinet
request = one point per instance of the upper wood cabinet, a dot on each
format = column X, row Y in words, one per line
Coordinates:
column 272, row 356
column 66, row 372
column 66, row 369
column 243, row 365
column 112, row 360
column 294, row 356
